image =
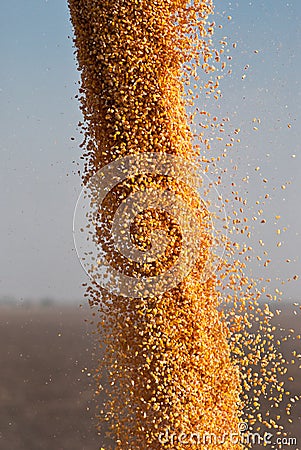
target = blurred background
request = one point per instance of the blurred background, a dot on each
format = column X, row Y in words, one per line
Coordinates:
column 46, row 347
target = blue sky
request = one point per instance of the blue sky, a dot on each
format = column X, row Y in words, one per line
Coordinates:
column 39, row 115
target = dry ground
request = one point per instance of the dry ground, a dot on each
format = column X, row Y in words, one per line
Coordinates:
column 44, row 395
column 45, row 398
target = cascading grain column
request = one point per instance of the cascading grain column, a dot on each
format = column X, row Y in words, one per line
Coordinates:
column 130, row 66
column 168, row 357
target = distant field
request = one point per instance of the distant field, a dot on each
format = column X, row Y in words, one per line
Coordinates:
column 44, row 395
